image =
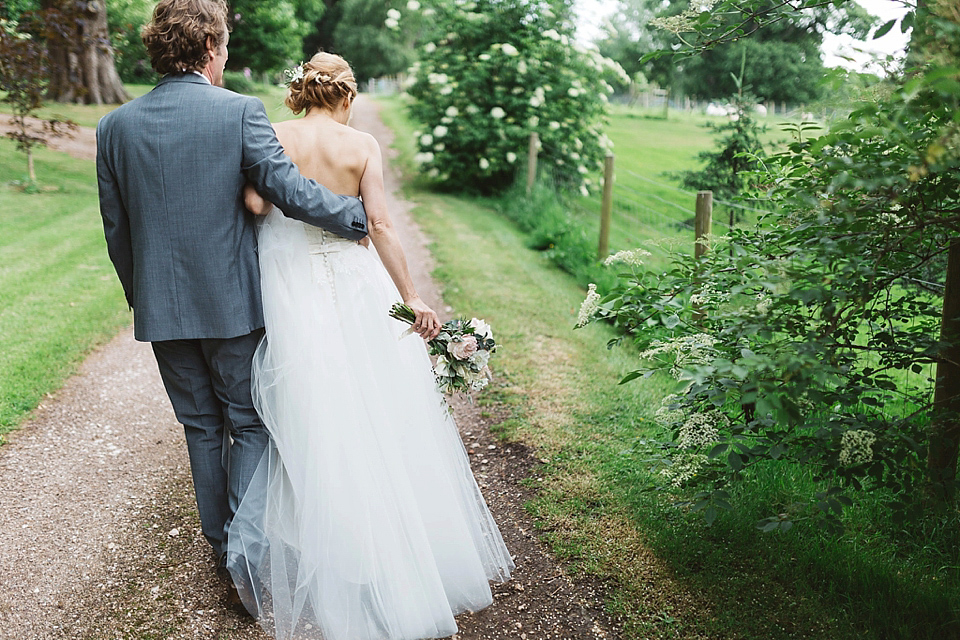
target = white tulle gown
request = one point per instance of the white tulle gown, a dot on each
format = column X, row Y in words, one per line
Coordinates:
column 363, row 520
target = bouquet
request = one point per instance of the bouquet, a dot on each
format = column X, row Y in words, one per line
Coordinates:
column 462, row 349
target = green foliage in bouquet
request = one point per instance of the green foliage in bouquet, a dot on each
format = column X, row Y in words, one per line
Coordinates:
column 491, row 73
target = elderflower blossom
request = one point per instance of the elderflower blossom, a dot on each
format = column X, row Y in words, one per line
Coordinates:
column 484, row 164
column 511, row 157
column 497, row 113
column 589, row 306
column 633, row 257
column 439, row 131
column 452, row 112
column 684, row 468
column 413, row 5
column 670, row 413
column 509, row 49
column 855, row 447
column 688, row 350
column 700, row 429
column 764, row 302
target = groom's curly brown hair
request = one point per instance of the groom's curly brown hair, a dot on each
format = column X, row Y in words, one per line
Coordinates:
column 176, row 36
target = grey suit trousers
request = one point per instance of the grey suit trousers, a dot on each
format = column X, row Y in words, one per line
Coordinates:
column 208, row 381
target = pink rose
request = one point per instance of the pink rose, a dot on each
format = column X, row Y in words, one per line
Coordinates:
column 463, row 349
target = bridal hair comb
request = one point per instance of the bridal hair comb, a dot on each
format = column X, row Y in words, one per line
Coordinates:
column 295, row 74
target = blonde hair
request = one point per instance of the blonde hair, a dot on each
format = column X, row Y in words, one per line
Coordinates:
column 176, row 36
column 326, row 81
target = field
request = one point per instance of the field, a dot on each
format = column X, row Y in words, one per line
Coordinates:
column 59, row 296
column 602, row 507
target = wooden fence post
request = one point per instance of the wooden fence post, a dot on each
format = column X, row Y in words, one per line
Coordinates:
column 606, row 208
column 703, row 222
column 532, row 160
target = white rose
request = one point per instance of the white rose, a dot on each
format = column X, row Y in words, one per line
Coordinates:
column 481, row 328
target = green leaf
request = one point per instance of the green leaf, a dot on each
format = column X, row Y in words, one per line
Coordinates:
column 718, row 450
column 710, row 514
column 633, row 375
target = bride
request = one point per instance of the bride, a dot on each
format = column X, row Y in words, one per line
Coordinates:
column 363, row 520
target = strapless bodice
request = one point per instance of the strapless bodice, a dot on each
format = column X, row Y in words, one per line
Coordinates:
column 322, row 241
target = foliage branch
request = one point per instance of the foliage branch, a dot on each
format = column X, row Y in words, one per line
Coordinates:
column 815, row 337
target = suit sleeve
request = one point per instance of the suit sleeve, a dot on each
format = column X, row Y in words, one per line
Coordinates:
column 116, row 222
column 278, row 180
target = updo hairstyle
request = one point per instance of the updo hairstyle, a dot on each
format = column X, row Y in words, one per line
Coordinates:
column 326, row 80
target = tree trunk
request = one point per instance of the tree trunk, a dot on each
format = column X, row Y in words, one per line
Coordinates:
column 944, row 444
column 82, row 66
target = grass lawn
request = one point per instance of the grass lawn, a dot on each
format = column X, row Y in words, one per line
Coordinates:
column 59, row 296
column 603, row 509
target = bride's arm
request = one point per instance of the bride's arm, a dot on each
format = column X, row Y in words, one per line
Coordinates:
column 387, row 242
column 255, row 202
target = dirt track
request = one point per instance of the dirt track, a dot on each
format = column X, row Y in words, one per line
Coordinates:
column 99, row 528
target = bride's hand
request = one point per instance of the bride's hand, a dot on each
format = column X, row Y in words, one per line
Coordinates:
column 255, row 202
column 427, row 324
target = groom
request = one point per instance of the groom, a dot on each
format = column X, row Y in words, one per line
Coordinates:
column 171, row 167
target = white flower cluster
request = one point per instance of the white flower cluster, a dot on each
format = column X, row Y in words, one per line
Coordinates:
column 633, row 257
column 701, row 429
column 589, row 306
column 708, row 295
column 688, row 350
column 667, row 416
column 856, row 447
column 685, row 468
column 393, row 19
column 764, row 302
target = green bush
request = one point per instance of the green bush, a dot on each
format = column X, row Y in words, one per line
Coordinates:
column 238, row 82
column 490, row 73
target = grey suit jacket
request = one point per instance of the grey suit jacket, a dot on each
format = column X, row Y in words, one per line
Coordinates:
column 171, row 167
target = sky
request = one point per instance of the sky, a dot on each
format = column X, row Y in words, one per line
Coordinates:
column 591, row 14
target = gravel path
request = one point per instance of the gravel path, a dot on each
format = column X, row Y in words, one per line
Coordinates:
column 99, row 527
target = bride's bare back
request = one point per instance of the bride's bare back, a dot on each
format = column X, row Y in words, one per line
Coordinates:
column 333, row 154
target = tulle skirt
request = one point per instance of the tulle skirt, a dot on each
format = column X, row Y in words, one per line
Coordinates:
column 363, row 519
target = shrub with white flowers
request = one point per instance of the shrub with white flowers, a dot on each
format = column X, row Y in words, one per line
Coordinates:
column 493, row 71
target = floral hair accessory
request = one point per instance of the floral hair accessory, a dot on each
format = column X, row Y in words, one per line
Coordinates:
column 323, row 78
column 295, row 74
